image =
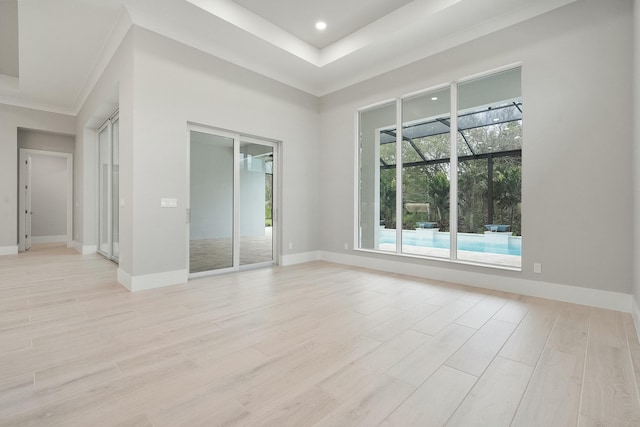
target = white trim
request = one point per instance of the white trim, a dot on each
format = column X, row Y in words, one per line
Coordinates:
column 454, row 167
column 87, row 249
column 124, row 278
column 8, row 250
column 49, row 239
column 573, row 294
column 151, row 281
column 299, row 258
column 238, row 139
column 399, row 170
column 635, row 314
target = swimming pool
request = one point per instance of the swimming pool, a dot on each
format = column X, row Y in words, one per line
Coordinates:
column 488, row 243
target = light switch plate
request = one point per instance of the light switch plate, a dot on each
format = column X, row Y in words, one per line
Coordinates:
column 168, row 203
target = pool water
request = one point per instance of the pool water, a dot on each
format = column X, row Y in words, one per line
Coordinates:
column 466, row 241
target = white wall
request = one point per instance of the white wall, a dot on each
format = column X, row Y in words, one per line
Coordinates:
column 47, row 141
column 577, row 167
column 175, row 85
column 114, row 90
column 12, row 118
column 48, row 196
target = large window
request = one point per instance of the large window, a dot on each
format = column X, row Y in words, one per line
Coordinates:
column 448, row 183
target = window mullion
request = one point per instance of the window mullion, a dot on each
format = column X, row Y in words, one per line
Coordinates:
column 398, row 175
column 453, row 175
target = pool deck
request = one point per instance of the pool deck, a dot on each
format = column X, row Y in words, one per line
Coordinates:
column 513, row 261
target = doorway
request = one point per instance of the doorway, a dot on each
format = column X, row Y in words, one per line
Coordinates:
column 108, row 188
column 45, row 198
column 233, row 185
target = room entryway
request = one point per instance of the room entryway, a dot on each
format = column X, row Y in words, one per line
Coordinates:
column 45, row 198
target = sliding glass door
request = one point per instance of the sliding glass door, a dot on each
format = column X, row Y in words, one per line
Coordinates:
column 108, row 188
column 232, row 202
column 256, row 202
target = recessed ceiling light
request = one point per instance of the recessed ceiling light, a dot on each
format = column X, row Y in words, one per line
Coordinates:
column 434, row 98
column 321, row 25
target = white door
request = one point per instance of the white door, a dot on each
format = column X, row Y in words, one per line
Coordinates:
column 27, row 204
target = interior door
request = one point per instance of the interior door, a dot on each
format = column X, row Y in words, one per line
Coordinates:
column 28, row 213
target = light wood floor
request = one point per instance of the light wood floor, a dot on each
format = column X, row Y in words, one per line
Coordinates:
column 314, row 344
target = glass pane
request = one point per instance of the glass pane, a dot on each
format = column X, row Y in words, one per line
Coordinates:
column 211, row 192
column 115, row 189
column 377, row 178
column 489, row 181
column 103, row 191
column 425, row 182
column 256, row 202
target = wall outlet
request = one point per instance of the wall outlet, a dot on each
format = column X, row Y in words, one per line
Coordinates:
column 290, row 245
column 537, row 267
column 346, row 246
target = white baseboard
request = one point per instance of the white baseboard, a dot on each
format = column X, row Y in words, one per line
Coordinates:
column 635, row 314
column 71, row 244
column 88, row 249
column 152, row 281
column 573, row 294
column 49, row 239
column 9, row 250
column 84, row 250
column 299, row 258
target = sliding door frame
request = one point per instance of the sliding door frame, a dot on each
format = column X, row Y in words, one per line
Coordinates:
column 108, row 124
column 238, row 138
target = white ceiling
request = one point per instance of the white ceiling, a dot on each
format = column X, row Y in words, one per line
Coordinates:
column 342, row 17
column 64, row 45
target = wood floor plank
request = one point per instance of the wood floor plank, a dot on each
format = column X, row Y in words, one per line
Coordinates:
column 400, row 323
column 434, row 401
column 477, row 353
column 424, row 361
column 137, row 421
column 514, row 310
column 369, row 405
column 553, row 395
column 483, row 311
column 440, row 319
column 529, row 339
column 609, row 395
column 634, row 346
column 494, row 398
